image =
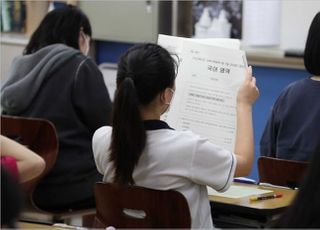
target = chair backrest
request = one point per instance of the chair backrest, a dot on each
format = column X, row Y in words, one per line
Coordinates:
column 39, row 135
column 125, row 206
column 281, row 172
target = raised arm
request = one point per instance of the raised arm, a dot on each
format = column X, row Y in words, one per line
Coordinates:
column 29, row 164
column 244, row 148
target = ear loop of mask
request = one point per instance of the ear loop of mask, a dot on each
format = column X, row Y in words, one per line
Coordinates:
column 171, row 97
column 86, row 52
column 168, row 107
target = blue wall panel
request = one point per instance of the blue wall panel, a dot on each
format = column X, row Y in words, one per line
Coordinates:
column 110, row 51
column 270, row 82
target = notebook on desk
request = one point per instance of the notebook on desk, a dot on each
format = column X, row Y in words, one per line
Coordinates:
column 239, row 191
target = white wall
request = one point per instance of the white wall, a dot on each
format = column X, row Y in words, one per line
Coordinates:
column 296, row 17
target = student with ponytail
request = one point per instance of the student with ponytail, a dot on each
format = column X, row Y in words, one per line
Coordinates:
column 141, row 149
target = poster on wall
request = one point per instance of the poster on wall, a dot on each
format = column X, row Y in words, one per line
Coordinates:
column 217, row 19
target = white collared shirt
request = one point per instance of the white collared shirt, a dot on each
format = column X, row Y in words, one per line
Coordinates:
column 177, row 160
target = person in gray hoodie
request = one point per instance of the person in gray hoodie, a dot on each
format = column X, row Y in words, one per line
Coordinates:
column 55, row 80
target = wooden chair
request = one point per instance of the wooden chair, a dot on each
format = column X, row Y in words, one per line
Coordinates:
column 40, row 136
column 281, row 172
column 124, row 206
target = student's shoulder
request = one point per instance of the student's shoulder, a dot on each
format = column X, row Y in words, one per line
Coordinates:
column 101, row 139
column 85, row 68
column 102, row 132
column 293, row 90
column 296, row 85
column 84, row 61
column 187, row 136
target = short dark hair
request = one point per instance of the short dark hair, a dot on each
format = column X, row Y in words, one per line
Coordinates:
column 312, row 49
column 60, row 25
column 144, row 71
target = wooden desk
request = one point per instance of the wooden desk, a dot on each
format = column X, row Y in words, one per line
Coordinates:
column 26, row 225
column 242, row 212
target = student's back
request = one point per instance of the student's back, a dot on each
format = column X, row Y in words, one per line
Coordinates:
column 141, row 149
column 56, row 81
column 292, row 131
column 292, row 128
column 175, row 160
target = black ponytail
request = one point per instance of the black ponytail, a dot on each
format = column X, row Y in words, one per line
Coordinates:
column 144, row 71
column 126, row 147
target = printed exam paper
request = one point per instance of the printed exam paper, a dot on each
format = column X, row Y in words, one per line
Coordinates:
column 208, row 79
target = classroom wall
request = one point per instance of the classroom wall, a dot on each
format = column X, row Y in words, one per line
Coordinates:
column 295, row 21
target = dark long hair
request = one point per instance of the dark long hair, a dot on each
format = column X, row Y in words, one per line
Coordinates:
column 143, row 72
column 312, row 49
column 61, row 25
column 305, row 209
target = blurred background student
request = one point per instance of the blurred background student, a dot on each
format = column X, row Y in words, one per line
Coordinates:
column 292, row 131
column 304, row 212
column 57, row 81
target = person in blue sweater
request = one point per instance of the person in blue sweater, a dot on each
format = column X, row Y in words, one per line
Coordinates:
column 292, row 131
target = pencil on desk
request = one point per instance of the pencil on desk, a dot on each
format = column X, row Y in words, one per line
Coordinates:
column 257, row 198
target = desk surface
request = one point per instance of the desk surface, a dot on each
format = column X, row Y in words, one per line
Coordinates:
column 271, row 204
column 241, row 212
column 27, row 225
column 24, row 225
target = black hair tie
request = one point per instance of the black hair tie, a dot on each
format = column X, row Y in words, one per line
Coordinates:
column 129, row 78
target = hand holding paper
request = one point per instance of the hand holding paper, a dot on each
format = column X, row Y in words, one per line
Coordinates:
column 244, row 150
column 248, row 92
